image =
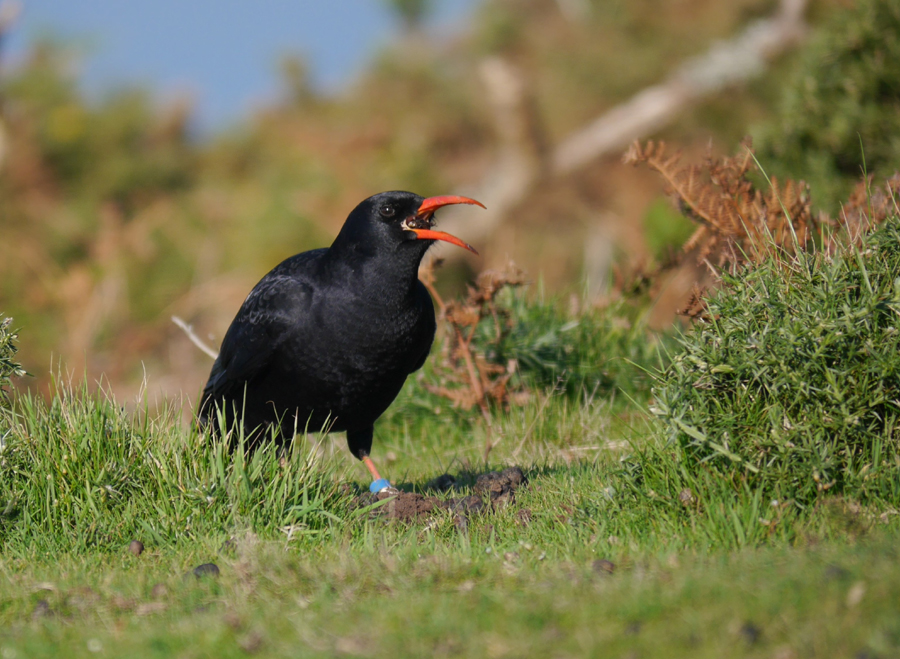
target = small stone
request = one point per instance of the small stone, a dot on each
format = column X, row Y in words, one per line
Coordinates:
column 206, row 570
column 836, row 572
column 855, row 594
column 686, row 497
column 750, row 633
column 136, row 547
column 603, row 566
column 149, row 608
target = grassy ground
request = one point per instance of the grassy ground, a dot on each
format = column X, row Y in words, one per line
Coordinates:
column 638, row 534
column 587, row 561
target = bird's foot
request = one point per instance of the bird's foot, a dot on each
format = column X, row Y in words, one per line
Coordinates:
column 381, row 485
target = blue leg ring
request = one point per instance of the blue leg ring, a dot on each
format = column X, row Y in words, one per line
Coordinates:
column 379, row 485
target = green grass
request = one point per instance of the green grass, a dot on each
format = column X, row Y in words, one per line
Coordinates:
column 397, row 593
column 307, row 575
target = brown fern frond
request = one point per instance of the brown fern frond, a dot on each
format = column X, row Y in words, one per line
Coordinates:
column 868, row 207
column 696, row 306
column 737, row 222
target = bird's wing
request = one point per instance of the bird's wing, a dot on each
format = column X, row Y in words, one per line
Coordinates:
column 270, row 309
column 427, row 306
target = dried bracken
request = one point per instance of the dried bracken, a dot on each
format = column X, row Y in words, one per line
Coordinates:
column 696, row 305
column 866, row 208
column 738, row 223
column 466, row 376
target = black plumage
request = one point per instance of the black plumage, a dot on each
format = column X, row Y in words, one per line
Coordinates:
column 329, row 336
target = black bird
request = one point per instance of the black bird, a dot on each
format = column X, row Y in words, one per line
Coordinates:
column 328, row 337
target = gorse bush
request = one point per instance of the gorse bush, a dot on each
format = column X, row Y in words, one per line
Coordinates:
column 792, row 386
column 9, row 367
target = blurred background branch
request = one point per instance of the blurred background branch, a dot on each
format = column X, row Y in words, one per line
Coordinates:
column 518, row 167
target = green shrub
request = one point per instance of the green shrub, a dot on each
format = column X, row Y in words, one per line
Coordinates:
column 597, row 350
column 793, row 385
column 844, row 97
column 9, row 367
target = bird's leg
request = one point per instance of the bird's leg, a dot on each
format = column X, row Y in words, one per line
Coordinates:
column 371, row 467
column 379, row 484
column 360, row 442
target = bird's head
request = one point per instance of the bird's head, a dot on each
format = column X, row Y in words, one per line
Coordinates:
column 391, row 221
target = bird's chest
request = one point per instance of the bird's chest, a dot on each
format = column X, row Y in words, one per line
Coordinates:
column 361, row 343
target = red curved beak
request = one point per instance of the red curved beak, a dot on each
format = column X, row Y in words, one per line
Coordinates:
column 433, row 203
column 427, row 209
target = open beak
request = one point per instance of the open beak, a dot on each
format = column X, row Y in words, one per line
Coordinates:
column 426, row 211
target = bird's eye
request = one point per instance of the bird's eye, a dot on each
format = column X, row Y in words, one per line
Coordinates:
column 387, row 211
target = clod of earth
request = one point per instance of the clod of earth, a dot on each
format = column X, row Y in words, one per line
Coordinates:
column 501, row 486
column 603, row 566
column 493, row 490
column 136, row 547
column 443, row 483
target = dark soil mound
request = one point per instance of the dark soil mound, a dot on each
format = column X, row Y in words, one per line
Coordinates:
column 492, row 491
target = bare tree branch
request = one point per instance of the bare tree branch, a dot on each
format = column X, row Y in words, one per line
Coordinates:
column 196, row 340
column 725, row 64
column 515, row 172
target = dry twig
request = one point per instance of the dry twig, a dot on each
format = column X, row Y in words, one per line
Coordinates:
column 196, row 340
column 467, row 377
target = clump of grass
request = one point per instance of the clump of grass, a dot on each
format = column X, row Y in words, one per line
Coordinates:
column 601, row 350
column 791, row 388
column 80, row 472
column 9, row 367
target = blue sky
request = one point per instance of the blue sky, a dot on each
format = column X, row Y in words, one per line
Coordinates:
column 224, row 53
